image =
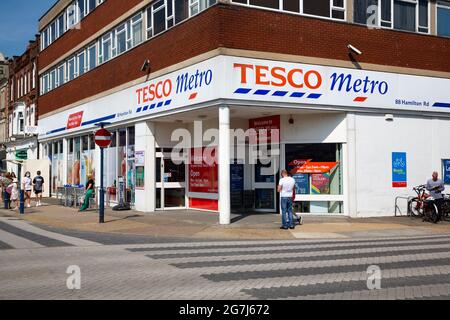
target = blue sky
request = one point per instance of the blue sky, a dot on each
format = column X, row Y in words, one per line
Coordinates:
column 18, row 23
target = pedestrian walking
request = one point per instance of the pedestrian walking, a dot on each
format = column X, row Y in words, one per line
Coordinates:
column 38, row 186
column 27, row 187
column 14, row 187
column 286, row 189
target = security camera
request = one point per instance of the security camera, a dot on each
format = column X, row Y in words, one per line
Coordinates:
column 354, row 50
column 145, row 66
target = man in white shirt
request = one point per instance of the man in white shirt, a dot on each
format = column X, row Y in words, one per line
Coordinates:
column 286, row 189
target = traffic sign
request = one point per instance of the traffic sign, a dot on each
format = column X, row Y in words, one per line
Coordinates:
column 103, row 138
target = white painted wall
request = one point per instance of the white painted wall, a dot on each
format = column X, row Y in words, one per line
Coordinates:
column 314, row 128
column 425, row 140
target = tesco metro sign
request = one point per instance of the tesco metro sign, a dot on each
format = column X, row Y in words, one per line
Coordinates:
column 303, row 77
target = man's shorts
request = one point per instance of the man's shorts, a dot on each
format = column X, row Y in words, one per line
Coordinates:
column 37, row 192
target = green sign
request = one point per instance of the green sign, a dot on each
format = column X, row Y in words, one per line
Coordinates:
column 22, row 154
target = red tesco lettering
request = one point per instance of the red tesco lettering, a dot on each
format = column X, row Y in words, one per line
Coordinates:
column 279, row 76
column 159, row 90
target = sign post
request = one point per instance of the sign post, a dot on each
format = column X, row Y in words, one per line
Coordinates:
column 103, row 140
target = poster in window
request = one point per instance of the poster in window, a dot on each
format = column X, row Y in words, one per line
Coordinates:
column 203, row 172
column 301, row 183
column 320, row 183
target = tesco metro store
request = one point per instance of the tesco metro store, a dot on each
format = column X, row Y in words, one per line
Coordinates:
column 353, row 140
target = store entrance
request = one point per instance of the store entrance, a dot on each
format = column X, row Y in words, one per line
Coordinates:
column 170, row 182
column 264, row 185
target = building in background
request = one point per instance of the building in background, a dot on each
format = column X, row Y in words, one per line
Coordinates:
column 359, row 95
column 21, row 113
column 4, row 71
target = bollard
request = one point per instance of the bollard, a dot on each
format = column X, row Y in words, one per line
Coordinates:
column 22, row 202
column 6, row 200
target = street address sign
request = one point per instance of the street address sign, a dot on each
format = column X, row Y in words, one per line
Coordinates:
column 103, row 138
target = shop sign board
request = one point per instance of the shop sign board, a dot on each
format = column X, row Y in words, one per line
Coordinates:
column 203, row 175
column 287, row 82
column 399, row 170
column 315, row 167
column 267, row 130
column 446, row 171
column 241, row 80
column 22, row 154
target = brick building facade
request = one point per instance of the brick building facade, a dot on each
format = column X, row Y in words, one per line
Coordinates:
column 151, row 67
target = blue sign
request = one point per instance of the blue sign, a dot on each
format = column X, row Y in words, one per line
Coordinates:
column 399, row 172
column 237, row 177
column 446, row 171
column 301, row 183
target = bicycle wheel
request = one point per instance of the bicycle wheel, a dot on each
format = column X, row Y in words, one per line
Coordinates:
column 445, row 210
column 432, row 212
column 415, row 208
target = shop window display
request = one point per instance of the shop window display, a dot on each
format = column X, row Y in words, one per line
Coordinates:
column 120, row 162
column 317, row 170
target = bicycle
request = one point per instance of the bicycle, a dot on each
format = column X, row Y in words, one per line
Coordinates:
column 445, row 208
column 423, row 205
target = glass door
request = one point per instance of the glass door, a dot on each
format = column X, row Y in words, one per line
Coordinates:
column 170, row 182
column 264, row 185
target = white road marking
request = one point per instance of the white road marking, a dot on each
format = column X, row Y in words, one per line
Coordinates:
column 56, row 236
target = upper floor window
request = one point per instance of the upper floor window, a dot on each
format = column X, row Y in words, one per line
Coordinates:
column 443, row 18
column 160, row 16
column 407, row 15
column 334, row 9
column 71, row 16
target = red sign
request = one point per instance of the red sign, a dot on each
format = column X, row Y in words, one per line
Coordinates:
column 103, row 138
column 267, row 130
column 74, row 120
column 315, row 167
column 203, row 172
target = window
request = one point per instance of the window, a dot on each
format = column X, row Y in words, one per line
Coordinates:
column 121, row 39
column 61, row 75
column 61, row 25
column 21, row 122
column 443, row 18
column 53, row 32
column 71, row 69
column 159, row 17
column 71, row 16
column 91, row 5
column 362, row 11
column 81, row 63
column 92, row 56
column 33, row 76
column 136, row 30
column 81, row 8
column 106, row 48
column 181, row 10
column 404, row 15
column 317, row 192
column 407, row 15
column 53, row 79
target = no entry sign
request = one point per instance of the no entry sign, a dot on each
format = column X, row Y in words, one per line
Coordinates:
column 103, row 138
